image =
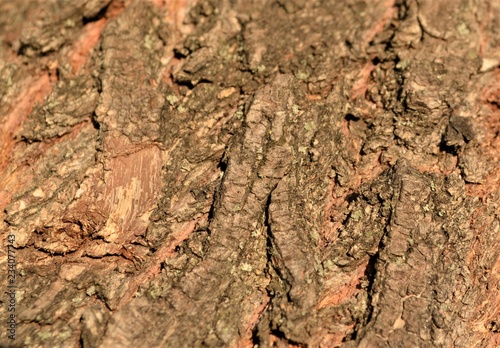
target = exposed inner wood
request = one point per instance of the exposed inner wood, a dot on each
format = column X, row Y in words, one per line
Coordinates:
column 264, row 173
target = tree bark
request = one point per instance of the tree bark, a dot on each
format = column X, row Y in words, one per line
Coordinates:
column 264, row 173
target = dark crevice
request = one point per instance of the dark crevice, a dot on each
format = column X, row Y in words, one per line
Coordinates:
column 22, row 49
column 29, row 140
column 222, row 166
column 201, row 81
column 255, row 337
column 30, row 50
column 98, row 84
column 189, row 83
column 58, row 74
column 96, row 17
column 54, row 253
column 181, row 53
column 351, row 197
column 288, row 341
column 443, row 147
column 267, row 225
column 211, row 212
column 494, row 326
column 81, row 341
column 495, row 103
column 351, row 117
column 95, row 123
column 370, row 275
column 185, row 83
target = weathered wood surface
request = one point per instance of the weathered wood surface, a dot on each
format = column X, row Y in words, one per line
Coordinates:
column 283, row 173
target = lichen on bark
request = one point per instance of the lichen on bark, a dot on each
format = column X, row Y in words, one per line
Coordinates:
column 251, row 173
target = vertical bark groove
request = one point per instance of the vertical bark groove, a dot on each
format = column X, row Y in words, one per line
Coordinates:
column 201, row 173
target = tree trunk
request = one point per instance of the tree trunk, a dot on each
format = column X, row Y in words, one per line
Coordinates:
column 264, row 173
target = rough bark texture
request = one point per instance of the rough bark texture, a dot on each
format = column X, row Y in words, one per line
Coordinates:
column 282, row 173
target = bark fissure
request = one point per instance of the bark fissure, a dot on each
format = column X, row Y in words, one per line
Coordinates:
column 252, row 173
